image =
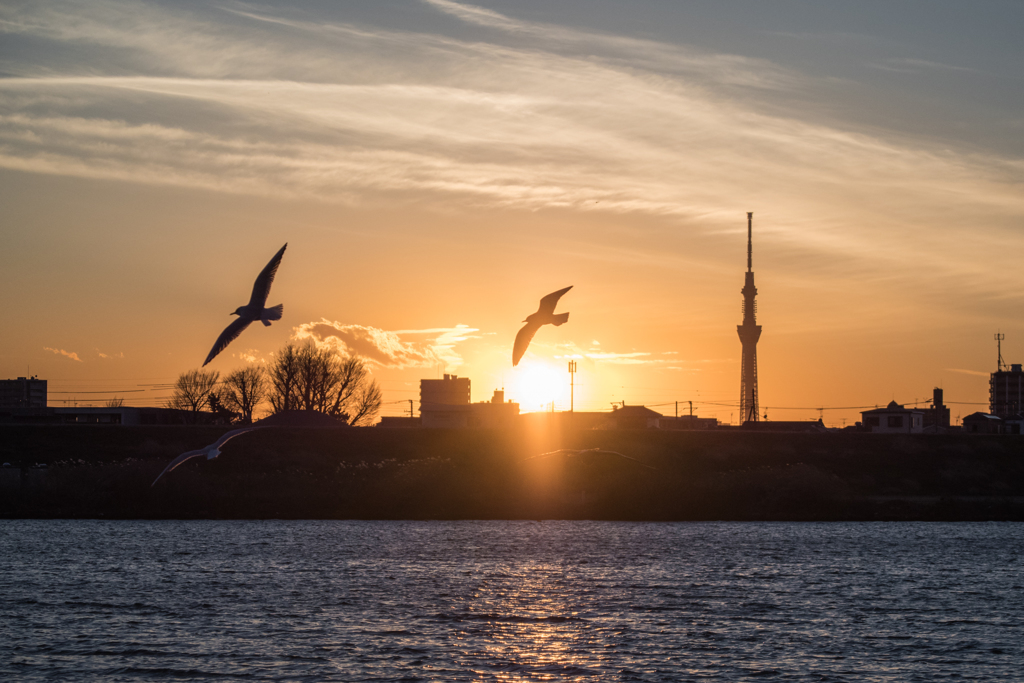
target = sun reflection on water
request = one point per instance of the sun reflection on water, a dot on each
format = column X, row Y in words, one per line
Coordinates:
column 529, row 628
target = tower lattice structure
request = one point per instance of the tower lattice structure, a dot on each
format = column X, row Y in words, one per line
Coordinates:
column 749, row 333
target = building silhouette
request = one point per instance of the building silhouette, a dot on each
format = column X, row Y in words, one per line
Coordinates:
column 936, row 418
column 893, row 419
column 749, row 333
column 24, row 392
column 633, row 417
column 1006, row 391
column 445, row 403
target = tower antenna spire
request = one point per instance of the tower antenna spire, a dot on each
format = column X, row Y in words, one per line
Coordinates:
column 999, row 337
column 750, row 240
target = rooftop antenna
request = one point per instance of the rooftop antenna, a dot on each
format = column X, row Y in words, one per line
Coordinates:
column 999, row 337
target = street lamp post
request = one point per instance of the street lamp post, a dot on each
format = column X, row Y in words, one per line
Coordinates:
column 572, row 385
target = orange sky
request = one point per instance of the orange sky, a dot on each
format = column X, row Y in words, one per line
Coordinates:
column 439, row 168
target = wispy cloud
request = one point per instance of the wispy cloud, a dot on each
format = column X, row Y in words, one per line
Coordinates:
column 390, row 349
column 118, row 355
column 723, row 69
column 977, row 373
column 61, row 352
column 910, row 65
column 628, row 358
column 535, row 116
column 632, row 358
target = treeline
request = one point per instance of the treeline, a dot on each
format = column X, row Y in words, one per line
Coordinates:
column 301, row 377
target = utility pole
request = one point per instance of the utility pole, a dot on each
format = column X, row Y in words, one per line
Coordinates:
column 411, row 414
column 572, row 386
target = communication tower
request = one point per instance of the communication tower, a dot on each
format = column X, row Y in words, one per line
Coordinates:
column 749, row 333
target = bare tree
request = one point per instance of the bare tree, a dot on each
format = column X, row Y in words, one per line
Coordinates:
column 365, row 404
column 244, row 390
column 283, row 376
column 192, row 390
column 116, row 402
column 320, row 380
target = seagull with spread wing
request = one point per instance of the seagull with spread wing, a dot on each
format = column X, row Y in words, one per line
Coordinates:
column 570, row 452
column 254, row 310
column 545, row 315
column 211, row 451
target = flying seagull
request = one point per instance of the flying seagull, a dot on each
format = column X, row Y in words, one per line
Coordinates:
column 545, row 314
column 255, row 309
column 211, row 451
column 570, row 452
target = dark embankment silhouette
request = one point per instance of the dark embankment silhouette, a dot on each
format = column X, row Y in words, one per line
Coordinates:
column 308, row 472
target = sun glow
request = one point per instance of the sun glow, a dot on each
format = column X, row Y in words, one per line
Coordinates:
column 536, row 384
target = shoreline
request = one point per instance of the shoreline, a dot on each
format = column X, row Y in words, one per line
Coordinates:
column 100, row 472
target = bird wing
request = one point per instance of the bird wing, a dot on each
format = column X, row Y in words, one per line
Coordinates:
column 227, row 436
column 548, row 303
column 523, row 339
column 548, row 454
column 261, row 288
column 229, row 335
column 601, row 450
column 177, row 461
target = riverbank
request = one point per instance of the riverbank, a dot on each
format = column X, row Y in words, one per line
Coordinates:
column 311, row 473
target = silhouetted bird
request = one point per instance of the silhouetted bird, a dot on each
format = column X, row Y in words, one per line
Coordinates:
column 570, row 452
column 545, row 315
column 254, row 310
column 211, row 451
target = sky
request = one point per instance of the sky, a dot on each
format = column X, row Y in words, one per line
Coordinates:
column 436, row 167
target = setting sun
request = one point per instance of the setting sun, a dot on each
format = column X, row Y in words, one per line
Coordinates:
column 535, row 384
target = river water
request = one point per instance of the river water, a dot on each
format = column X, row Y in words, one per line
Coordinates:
column 511, row 601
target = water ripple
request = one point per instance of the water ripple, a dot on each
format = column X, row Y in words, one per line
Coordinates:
column 510, row 601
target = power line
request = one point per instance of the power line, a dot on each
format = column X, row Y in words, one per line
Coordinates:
column 112, row 391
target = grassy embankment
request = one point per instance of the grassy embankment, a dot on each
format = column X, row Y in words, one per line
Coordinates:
column 97, row 471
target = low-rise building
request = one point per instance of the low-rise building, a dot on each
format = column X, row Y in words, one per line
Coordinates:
column 987, row 423
column 399, row 421
column 633, row 417
column 1013, row 424
column 982, row 423
column 784, row 426
column 893, row 419
column 494, row 414
column 125, row 415
column 687, row 422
